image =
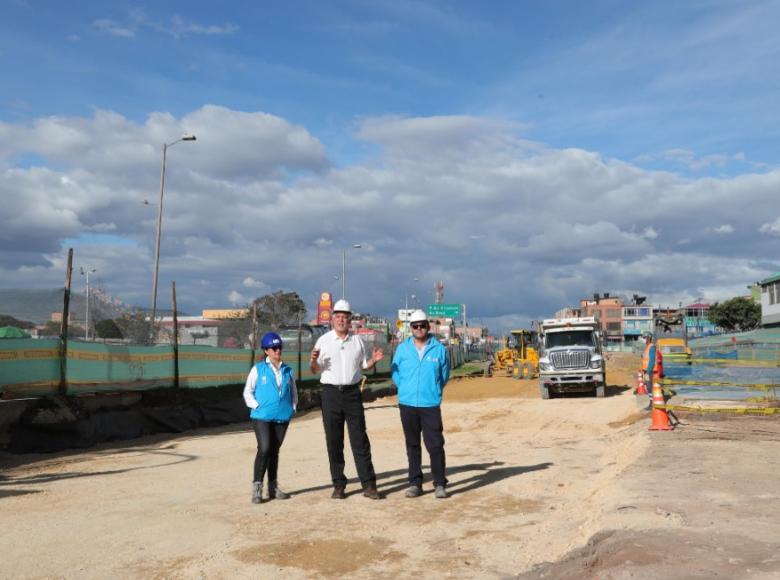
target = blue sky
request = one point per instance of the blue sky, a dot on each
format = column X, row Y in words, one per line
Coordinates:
column 545, row 109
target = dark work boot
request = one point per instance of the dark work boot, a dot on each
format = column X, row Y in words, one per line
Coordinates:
column 338, row 493
column 275, row 493
column 371, row 492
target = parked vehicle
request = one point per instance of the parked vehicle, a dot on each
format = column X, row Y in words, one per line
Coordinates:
column 572, row 358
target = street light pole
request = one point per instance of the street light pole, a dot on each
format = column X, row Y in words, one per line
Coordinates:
column 159, row 221
column 344, row 271
column 414, row 294
column 86, row 272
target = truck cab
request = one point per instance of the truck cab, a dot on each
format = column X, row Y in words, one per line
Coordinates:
column 571, row 358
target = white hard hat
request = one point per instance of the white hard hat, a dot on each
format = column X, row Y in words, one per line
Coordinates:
column 342, row 306
column 418, row 316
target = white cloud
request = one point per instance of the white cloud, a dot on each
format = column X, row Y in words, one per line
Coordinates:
column 250, row 282
column 723, row 229
column 649, row 233
column 771, row 228
column 177, row 27
column 112, row 28
column 236, row 298
column 513, row 228
column 691, row 160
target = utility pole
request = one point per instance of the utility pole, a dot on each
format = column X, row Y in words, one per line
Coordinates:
column 86, row 272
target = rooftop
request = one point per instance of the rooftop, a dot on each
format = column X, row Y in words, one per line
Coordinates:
column 773, row 278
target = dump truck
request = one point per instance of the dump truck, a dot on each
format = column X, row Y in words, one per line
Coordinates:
column 519, row 357
column 571, row 357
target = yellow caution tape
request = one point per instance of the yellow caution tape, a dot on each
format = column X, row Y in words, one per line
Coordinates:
column 736, row 362
column 760, row 386
column 732, row 410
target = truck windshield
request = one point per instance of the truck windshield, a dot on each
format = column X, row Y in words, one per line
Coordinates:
column 569, row 338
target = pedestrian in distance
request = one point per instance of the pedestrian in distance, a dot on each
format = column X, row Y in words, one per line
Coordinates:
column 339, row 357
column 652, row 363
column 272, row 397
column 421, row 368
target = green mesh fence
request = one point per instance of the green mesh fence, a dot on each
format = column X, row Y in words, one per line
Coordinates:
column 30, row 368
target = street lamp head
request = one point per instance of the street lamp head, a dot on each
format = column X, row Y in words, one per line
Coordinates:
column 356, row 246
column 188, row 137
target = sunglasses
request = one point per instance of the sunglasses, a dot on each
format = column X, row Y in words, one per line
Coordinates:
column 279, row 348
column 419, row 325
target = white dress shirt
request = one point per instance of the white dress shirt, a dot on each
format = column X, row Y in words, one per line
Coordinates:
column 251, row 382
column 341, row 360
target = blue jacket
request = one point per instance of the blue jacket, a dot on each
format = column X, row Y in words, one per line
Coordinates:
column 275, row 405
column 650, row 361
column 421, row 382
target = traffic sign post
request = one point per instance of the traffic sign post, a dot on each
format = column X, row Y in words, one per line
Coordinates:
column 444, row 310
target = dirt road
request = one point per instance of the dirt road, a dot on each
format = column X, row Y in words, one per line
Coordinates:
column 532, row 481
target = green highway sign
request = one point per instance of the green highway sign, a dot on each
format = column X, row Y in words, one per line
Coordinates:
column 444, row 310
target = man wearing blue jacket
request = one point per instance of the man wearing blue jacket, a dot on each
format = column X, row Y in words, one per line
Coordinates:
column 421, row 368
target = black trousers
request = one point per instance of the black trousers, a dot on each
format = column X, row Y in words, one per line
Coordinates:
column 339, row 406
column 425, row 420
column 270, row 437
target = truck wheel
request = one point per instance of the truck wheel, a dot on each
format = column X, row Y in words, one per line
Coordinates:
column 545, row 391
column 528, row 371
column 517, row 372
column 600, row 391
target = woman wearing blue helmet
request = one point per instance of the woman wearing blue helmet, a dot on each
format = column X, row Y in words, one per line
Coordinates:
column 272, row 396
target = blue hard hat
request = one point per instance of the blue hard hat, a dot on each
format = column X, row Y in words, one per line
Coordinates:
column 271, row 339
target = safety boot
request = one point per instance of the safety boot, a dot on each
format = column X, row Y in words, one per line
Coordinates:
column 441, row 492
column 257, row 492
column 275, row 493
column 413, row 491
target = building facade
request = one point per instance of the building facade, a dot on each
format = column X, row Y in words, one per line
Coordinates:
column 609, row 312
column 770, row 301
column 696, row 322
column 637, row 320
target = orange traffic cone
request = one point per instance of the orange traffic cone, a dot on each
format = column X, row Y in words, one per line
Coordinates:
column 660, row 418
column 640, row 384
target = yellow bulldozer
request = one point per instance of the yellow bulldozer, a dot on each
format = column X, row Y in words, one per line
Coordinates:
column 518, row 358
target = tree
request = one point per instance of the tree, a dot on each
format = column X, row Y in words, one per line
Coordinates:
column 135, row 326
column 53, row 329
column 234, row 332
column 280, row 309
column 108, row 329
column 737, row 314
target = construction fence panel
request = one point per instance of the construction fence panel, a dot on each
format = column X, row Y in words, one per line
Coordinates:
column 97, row 367
column 207, row 366
column 29, row 368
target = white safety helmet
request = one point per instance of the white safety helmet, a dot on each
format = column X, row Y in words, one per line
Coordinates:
column 418, row 316
column 342, row 306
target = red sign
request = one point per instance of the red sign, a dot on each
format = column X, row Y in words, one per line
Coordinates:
column 324, row 308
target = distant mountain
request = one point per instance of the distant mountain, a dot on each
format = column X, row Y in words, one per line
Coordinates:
column 38, row 305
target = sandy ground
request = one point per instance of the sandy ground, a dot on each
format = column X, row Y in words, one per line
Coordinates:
column 566, row 488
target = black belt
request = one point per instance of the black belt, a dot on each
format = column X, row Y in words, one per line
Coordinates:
column 342, row 387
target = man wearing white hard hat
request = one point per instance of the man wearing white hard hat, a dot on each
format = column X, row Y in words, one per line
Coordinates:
column 421, row 368
column 339, row 357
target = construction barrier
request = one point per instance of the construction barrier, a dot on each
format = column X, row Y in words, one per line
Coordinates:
column 729, row 410
column 640, row 384
column 757, row 386
column 32, row 368
column 659, row 418
column 737, row 362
